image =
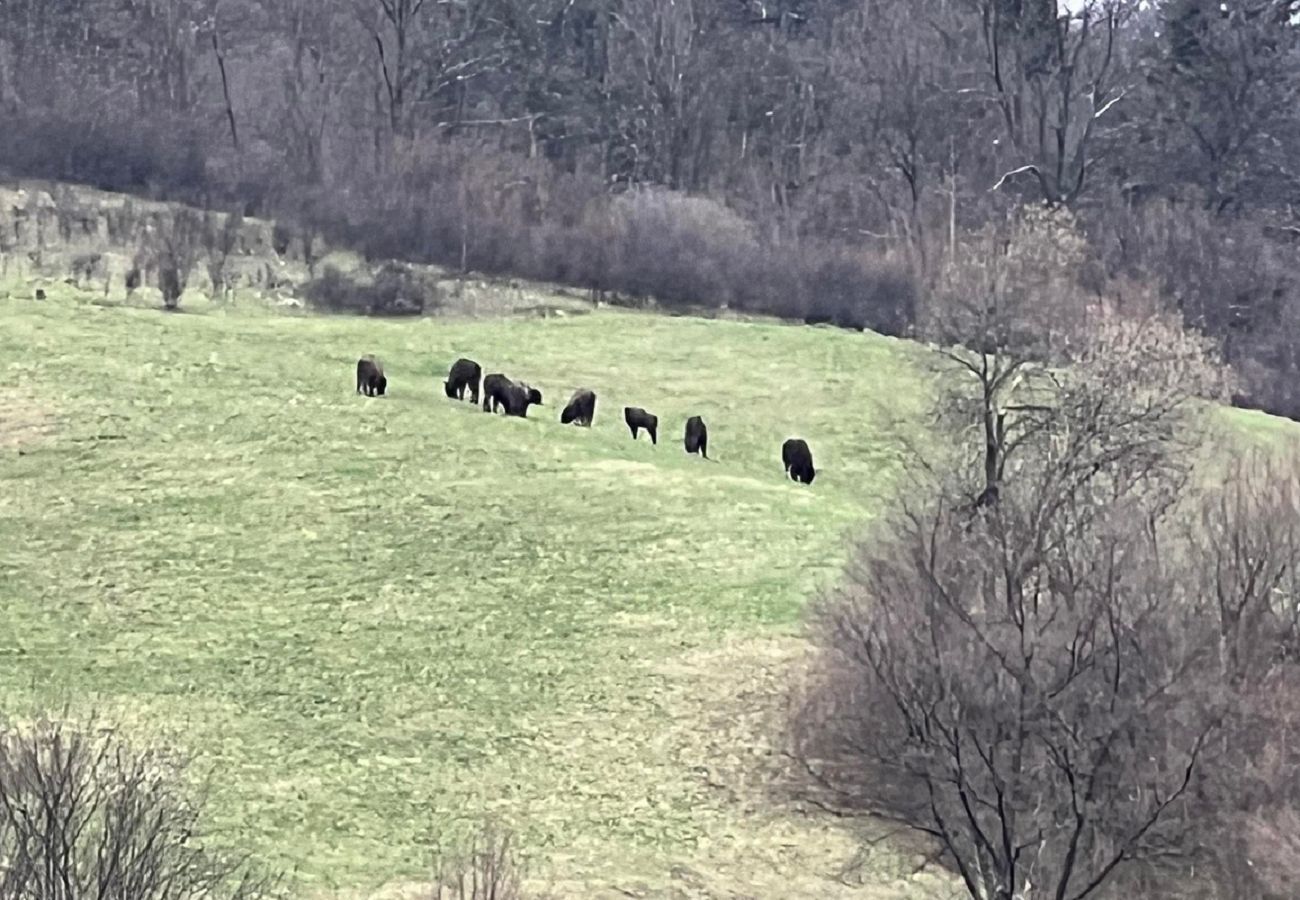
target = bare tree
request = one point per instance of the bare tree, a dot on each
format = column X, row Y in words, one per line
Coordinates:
column 85, row 815
column 221, row 235
column 1054, row 74
column 1009, row 312
column 1036, row 685
column 487, row 867
column 175, row 252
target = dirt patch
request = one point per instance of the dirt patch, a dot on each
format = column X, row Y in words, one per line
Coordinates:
column 23, row 421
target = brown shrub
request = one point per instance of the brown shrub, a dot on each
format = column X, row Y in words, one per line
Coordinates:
column 85, row 814
column 393, row 290
column 486, row 867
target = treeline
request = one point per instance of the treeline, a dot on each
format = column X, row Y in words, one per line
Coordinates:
column 819, row 158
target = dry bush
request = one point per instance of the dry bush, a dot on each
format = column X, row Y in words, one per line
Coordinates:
column 470, row 209
column 85, row 814
column 220, row 237
column 110, row 149
column 680, row 250
column 1014, row 283
column 1274, row 841
column 1063, row 689
column 849, row 289
column 394, row 290
column 174, row 250
column 486, row 868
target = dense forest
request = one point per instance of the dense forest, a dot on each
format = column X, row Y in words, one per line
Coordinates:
column 837, row 160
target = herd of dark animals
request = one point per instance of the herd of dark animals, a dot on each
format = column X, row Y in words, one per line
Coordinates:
column 501, row 394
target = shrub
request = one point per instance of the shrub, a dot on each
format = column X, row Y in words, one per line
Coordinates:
column 395, row 290
column 220, row 237
column 487, row 869
column 680, row 250
column 85, row 814
column 114, row 152
column 1071, row 681
column 846, row 290
column 481, row 212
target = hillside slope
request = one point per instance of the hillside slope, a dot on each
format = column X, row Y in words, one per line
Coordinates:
column 377, row 620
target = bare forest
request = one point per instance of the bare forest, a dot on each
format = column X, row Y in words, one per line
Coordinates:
column 830, row 160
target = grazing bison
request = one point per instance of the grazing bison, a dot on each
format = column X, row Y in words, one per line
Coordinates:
column 464, row 374
column 697, row 436
column 581, row 409
column 516, row 398
column 498, row 393
column 637, row 418
column 798, row 460
column 493, row 387
column 370, row 377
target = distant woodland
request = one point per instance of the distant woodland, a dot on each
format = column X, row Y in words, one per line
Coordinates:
column 843, row 161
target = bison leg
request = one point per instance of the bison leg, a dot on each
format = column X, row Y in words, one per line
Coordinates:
column 654, row 438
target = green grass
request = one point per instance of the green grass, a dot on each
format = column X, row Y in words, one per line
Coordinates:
column 373, row 619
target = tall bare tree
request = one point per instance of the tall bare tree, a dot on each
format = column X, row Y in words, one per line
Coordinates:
column 1039, row 686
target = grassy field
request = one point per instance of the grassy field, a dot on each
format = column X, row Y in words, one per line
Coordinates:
column 375, row 620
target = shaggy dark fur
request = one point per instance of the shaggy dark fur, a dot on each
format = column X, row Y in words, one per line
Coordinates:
column 798, row 460
column 515, row 399
column 580, row 410
column 370, row 377
column 637, row 418
column 465, row 375
column 499, row 392
column 697, row 436
column 493, row 388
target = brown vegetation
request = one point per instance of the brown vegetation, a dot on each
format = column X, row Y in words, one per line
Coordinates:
column 822, row 161
column 1075, row 686
column 84, row 814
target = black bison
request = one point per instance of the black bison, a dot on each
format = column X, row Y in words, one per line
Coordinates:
column 464, row 375
column 697, row 436
column 637, row 418
column 500, row 392
column 370, row 377
column 516, row 398
column 798, row 460
column 580, row 410
column 493, row 386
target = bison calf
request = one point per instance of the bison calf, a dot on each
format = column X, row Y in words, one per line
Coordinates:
column 580, row 410
column 370, row 377
column 697, row 436
column 637, row 418
column 464, row 375
column 798, row 460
